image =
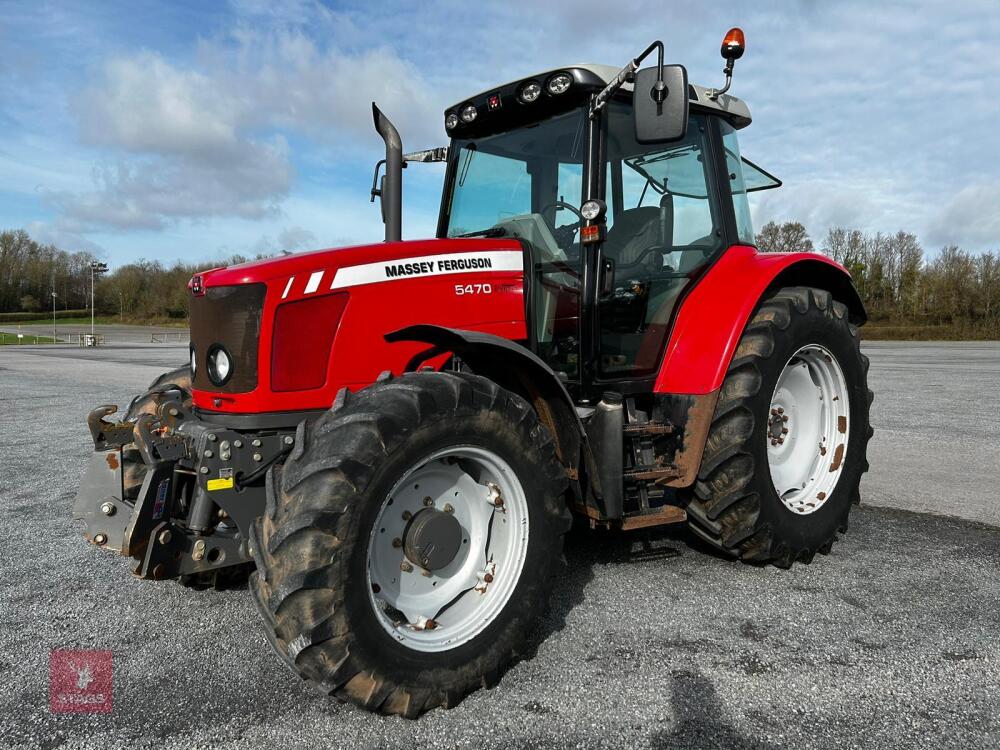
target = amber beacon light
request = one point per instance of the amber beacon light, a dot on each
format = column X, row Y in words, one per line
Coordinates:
column 733, row 44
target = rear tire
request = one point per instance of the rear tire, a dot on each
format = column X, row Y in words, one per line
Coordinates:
column 315, row 583
column 734, row 504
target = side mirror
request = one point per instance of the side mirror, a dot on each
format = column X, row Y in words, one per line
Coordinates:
column 660, row 111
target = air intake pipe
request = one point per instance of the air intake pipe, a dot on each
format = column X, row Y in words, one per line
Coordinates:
column 391, row 189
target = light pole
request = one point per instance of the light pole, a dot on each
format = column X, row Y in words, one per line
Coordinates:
column 54, row 339
column 96, row 267
column 121, row 302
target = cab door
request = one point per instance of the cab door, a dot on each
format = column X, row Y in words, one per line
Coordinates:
column 665, row 223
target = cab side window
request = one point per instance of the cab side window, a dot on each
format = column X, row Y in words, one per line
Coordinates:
column 738, row 185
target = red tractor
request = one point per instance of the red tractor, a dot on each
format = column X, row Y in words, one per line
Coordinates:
column 398, row 436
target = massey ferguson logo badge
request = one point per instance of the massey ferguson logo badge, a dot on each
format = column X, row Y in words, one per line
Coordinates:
column 487, row 261
column 441, row 266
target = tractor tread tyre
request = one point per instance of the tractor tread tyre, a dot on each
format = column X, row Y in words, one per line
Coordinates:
column 733, row 504
column 310, row 545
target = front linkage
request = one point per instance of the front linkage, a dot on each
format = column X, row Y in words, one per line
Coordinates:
column 202, row 488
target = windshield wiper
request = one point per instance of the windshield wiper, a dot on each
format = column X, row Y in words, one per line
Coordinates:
column 491, row 232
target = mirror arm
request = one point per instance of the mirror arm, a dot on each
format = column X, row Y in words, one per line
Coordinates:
column 376, row 191
column 626, row 74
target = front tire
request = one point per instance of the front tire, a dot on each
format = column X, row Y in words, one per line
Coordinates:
column 785, row 453
column 345, row 603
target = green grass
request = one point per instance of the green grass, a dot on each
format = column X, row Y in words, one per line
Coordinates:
column 10, row 339
column 107, row 320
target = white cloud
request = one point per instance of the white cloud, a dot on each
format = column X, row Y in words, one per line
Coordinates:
column 970, row 219
column 49, row 234
column 208, row 139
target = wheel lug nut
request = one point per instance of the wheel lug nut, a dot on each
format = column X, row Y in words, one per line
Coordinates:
column 405, row 567
column 784, row 418
column 784, row 430
column 407, row 515
column 780, row 410
column 488, row 578
column 428, row 502
column 430, row 625
column 397, row 542
column 448, row 508
column 773, row 441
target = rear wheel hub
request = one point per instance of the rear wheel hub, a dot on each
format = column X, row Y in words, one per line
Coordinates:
column 432, row 538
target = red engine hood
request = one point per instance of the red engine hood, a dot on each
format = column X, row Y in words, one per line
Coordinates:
column 474, row 284
column 303, row 265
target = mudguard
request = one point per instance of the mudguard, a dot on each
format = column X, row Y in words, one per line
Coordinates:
column 715, row 312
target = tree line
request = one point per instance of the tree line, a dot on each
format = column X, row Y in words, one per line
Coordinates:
column 955, row 294
column 146, row 290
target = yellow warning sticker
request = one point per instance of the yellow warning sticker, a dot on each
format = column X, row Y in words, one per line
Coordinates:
column 223, row 483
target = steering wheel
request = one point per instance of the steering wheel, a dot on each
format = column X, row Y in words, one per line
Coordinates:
column 564, row 235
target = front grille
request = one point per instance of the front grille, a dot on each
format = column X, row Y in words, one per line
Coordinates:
column 230, row 316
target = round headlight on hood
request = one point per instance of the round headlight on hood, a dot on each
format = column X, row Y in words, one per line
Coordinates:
column 219, row 365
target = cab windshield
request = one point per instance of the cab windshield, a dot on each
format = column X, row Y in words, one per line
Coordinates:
column 526, row 183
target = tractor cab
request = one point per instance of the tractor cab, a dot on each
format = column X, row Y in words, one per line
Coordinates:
column 615, row 222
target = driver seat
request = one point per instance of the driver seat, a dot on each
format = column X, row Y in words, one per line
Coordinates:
column 638, row 229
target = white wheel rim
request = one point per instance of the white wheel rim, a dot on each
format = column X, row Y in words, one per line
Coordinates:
column 438, row 610
column 808, row 428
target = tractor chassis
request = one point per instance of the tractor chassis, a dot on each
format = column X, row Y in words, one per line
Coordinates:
column 202, row 488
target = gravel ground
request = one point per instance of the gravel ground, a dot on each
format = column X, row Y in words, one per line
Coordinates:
column 891, row 641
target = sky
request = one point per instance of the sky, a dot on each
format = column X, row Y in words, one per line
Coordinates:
column 198, row 130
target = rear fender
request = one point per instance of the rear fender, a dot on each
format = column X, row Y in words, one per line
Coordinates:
column 713, row 315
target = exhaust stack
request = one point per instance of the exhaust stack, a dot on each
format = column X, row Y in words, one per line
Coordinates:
column 390, row 191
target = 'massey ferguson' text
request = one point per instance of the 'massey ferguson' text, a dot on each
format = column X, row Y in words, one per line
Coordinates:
column 441, row 266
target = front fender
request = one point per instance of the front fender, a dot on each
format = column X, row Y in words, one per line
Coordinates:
column 715, row 312
column 497, row 358
column 521, row 371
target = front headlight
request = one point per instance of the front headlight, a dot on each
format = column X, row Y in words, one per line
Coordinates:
column 220, row 365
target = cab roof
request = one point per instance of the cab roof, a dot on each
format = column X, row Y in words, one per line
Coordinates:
column 593, row 76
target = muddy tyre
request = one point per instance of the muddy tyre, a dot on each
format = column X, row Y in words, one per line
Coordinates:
column 134, row 471
column 788, row 442
column 410, row 540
